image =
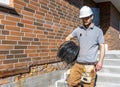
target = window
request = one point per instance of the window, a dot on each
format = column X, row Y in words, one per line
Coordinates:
column 96, row 19
column 5, row 2
column 7, row 6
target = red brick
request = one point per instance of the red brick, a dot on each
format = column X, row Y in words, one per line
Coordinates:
column 6, row 66
column 2, row 37
column 38, row 32
column 10, row 56
column 36, row 43
column 16, row 51
column 4, row 52
column 18, row 10
column 30, row 35
column 43, row 54
column 40, row 13
column 13, row 38
column 27, row 13
column 16, row 71
column 41, row 36
column 23, row 43
column 5, row 47
column 2, row 56
column 20, row 56
column 36, row 39
column 21, row 65
column 49, row 16
column 20, row 47
column 44, row 40
column 42, row 10
column 36, row 59
column 18, row 6
column 45, row 7
column 33, row 7
column 29, row 26
column 34, row 3
column 8, row 42
column 33, row 47
column 25, row 60
column 47, row 25
column 27, row 21
column 1, row 26
column 1, row 61
column 12, row 18
column 6, row 22
column 16, row 33
column 27, row 38
column 10, row 61
column 20, row 2
column 39, row 16
column 20, row 24
column 44, row 2
column 12, row 28
column 52, row 46
column 5, row 32
column 1, row 16
column 30, row 51
column 29, row 18
column 26, row 30
column 29, row 9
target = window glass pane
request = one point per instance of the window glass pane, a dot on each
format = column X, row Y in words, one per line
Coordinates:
column 96, row 19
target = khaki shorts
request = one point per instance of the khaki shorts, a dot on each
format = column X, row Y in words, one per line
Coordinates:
column 78, row 72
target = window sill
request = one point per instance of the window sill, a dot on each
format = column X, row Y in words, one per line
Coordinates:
column 7, row 9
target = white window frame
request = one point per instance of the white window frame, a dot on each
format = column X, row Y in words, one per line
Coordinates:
column 5, row 2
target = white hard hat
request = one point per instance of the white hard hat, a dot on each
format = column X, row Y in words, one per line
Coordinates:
column 85, row 11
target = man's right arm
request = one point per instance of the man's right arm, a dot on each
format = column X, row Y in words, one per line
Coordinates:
column 69, row 37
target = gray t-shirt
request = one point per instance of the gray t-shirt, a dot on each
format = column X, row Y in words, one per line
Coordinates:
column 89, row 40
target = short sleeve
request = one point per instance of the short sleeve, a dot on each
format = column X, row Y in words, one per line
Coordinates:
column 101, row 37
column 74, row 33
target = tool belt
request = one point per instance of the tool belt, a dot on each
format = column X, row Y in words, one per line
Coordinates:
column 88, row 74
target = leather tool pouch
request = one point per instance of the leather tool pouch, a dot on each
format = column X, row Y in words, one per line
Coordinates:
column 88, row 75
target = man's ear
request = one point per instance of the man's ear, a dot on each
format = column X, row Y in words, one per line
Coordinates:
column 92, row 17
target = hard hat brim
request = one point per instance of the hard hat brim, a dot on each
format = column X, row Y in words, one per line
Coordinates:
column 84, row 16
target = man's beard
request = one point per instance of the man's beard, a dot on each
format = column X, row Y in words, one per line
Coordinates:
column 86, row 24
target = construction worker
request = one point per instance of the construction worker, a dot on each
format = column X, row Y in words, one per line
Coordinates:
column 91, row 39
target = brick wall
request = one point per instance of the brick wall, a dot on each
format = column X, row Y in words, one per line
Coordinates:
column 31, row 33
column 114, row 44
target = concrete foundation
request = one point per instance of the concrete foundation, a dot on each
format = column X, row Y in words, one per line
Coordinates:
column 46, row 80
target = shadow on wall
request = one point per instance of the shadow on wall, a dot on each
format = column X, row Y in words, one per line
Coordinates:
column 76, row 3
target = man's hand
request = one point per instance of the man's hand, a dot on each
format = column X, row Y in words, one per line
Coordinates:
column 68, row 37
column 99, row 65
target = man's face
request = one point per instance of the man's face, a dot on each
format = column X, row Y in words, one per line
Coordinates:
column 87, row 20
